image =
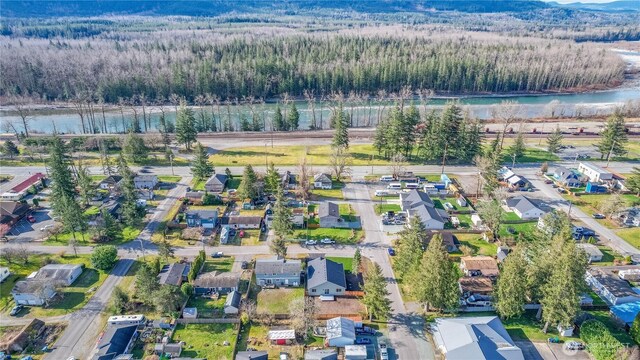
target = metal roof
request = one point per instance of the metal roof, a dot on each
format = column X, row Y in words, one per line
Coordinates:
column 341, row 327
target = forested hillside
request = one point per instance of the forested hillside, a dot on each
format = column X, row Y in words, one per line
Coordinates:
column 232, row 67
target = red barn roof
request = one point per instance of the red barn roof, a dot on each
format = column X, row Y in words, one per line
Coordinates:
column 33, row 179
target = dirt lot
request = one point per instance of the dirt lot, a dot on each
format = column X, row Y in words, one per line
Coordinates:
column 340, row 307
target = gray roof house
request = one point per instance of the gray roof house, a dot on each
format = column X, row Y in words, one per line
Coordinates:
column 232, row 303
column 252, row 355
column 216, row 183
column 208, row 219
column 110, row 182
column 567, row 177
column 341, row 332
column 418, row 203
column 63, row 273
column 322, row 181
column 325, row 277
column 593, row 253
column 610, row 287
column 215, row 281
column 448, row 239
column 477, row 338
column 288, row 180
column 323, row 354
column 40, row 286
column 279, row 272
column 524, row 207
column 115, row 341
column 145, row 181
column 173, row 274
column 329, row 215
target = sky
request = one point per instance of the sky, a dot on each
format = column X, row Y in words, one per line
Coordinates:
column 582, row 1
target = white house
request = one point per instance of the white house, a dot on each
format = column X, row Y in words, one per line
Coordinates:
column 340, row 332
column 592, row 252
column 322, row 181
column 40, row 286
column 418, row 203
column 610, row 287
column 355, row 352
column 4, row 273
column 524, row 207
column 325, row 277
column 594, row 173
column 145, row 181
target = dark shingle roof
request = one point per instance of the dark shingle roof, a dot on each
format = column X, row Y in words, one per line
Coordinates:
column 252, row 355
column 321, row 270
column 329, row 209
column 522, row 203
column 114, row 341
column 218, row 179
column 216, row 279
column 416, row 198
column 172, row 274
column 278, row 267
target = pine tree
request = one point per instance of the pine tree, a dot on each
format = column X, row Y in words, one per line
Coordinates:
column 85, row 185
column 510, row 291
column 357, row 262
column 436, row 282
column 293, row 118
column 72, row 217
column 554, row 140
column 247, row 188
column 271, row 179
column 614, row 137
column 375, row 294
column 278, row 121
column 518, row 148
column 10, row 149
column 130, row 212
column 409, row 247
column 381, row 138
column 186, row 127
column 134, row 149
column 633, row 181
column 340, row 120
column 281, row 225
column 635, row 329
column 146, row 283
column 201, row 168
column 62, row 186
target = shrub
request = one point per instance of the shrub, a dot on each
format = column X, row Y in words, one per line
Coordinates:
column 601, row 344
column 104, row 257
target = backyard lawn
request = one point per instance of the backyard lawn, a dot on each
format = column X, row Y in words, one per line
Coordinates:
column 206, row 340
column 255, row 336
column 207, row 307
column 383, row 208
column 526, row 229
column 341, row 236
column 347, row 262
column 277, row 301
column 477, row 244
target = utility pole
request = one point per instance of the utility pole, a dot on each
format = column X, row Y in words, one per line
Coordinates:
column 513, row 163
column 171, row 162
column 610, row 151
column 570, row 206
column 265, row 157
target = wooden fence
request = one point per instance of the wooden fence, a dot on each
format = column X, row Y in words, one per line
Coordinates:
column 209, row 321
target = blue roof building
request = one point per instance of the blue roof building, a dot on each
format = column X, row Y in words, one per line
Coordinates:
column 626, row 313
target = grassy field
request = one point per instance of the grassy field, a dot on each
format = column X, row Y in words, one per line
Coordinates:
column 477, row 244
column 383, row 208
column 334, row 193
column 341, row 236
column 223, row 264
column 127, row 234
column 630, row 235
column 207, row 307
column 206, row 340
column 346, row 262
column 277, row 301
column 70, row 298
column 169, row 178
column 531, row 155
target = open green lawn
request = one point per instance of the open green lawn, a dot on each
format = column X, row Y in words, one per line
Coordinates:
column 347, row 212
column 207, row 307
column 223, row 264
column 526, row 229
column 277, row 301
column 608, row 256
column 383, row 208
column 341, row 236
column 72, row 298
column 334, row 193
column 439, row 203
column 630, row 235
column 477, row 244
column 169, row 178
column 198, row 185
column 206, row 340
column 510, row 216
column 531, row 155
column 465, row 220
column 91, row 211
column 346, row 262
column 127, row 234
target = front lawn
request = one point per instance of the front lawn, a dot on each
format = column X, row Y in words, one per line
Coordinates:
column 127, row 234
column 383, row 208
column 608, row 256
column 510, row 216
column 206, row 340
column 347, row 213
column 630, row 235
column 198, row 185
column 169, row 178
column 223, row 264
column 341, row 236
column 334, row 193
column 277, row 301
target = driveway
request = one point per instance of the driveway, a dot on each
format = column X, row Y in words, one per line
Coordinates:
column 24, row 231
column 544, row 351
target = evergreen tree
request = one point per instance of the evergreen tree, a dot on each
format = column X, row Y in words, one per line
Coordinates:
column 106, row 228
column 381, row 138
column 510, row 291
column 247, row 188
column 340, row 121
column 134, row 149
column 10, row 149
column 518, row 148
column 614, row 137
column 293, row 118
column 130, row 212
column 244, row 123
column 186, row 127
column 281, row 225
column 62, row 186
column 120, row 300
column 490, row 211
column 278, row 121
column 409, row 247
column 201, row 168
column 554, row 140
column 72, row 217
column 436, row 283
column 271, row 179
column 163, row 128
column 146, row 283
column 375, row 294
column 633, row 181
column 357, row 261
column 635, row 329
column 85, row 185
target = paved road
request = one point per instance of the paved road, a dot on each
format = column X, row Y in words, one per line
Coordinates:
column 80, row 336
column 408, row 340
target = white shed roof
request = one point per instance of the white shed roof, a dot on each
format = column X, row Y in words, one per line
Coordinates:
column 286, row 334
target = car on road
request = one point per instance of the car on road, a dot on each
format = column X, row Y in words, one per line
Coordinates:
column 561, row 190
column 145, row 170
column 31, row 219
column 244, row 265
column 391, row 251
column 46, row 227
column 218, row 254
column 574, row 345
column 327, row 241
column 310, row 242
column 16, row 310
column 363, row 341
column 598, row 216
column 548, row 181
column 384, row 353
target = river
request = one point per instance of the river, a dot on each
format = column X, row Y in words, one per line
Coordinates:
column 364, row 113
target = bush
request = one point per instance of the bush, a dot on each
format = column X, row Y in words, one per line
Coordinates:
column 600, row 343
column 104, row 257
column 635, row 329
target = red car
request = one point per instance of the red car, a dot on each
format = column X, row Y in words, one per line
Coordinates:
column 241, row 233
column 31, row 219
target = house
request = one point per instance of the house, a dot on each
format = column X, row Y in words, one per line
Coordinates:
column 19, row 191
column 168, row 350
column 288, row 181
column 145, row 181
column 502, row 252
column 216, row 282
column 194, row 197
column 524, row 207
column 476, row 220
column 297, row 217
column 594, row 172
column 252, row 355
column 505, row 173
column 626, row 313
column 12, row 211
column 418, row 203
column 610, row 287
column 478, row 338
column 242, row 222
column 517, row 182
column 325, row 277
column 629, row 274
column 592, row 252
column 64, row 274
column 449, row 240
column 33, row 292
column 282, row 337
column 110, row 182
column 145, row 194
column 567, row 177
column 340, row 332
column 190, row 313
column 208, row 219
column 322, row 181
column 174, row 274
column 4, row 273
column 324, row 354
column 329, row 215
column 232, row 303
column 115, row 341
column 216, row 183
column 279, row 272
column 476, row 285
column 479, row 265
column 355, row 352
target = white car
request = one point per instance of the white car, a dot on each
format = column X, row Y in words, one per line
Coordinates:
column 46, row 227
column 231, row 191
column 327, row 241
column 384, row 354
column 310, row 242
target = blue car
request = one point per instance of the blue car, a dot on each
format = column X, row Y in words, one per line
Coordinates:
column 391, row 251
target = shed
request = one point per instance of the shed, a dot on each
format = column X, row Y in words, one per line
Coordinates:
column 282, row 336
column 355, row 352
column 190, row 313
column 232, row 303
column 476, row 220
